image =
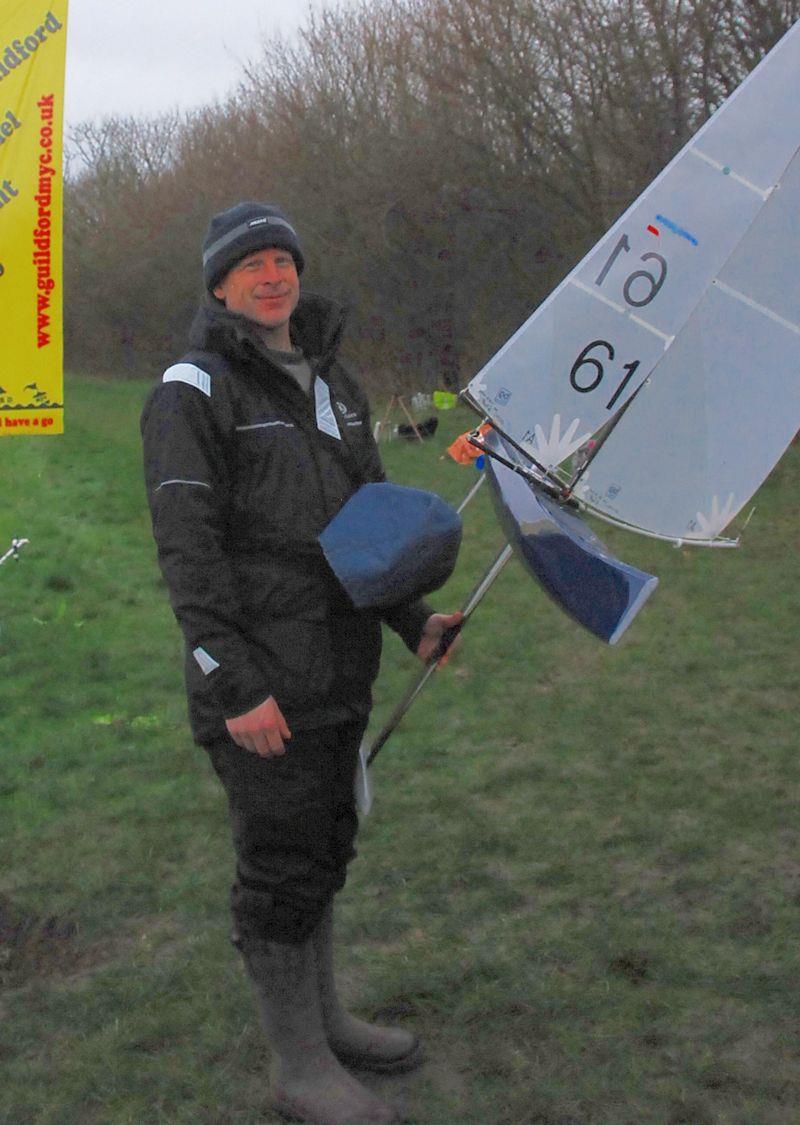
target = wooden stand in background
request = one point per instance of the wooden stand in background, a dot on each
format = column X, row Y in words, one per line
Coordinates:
column 396, row 400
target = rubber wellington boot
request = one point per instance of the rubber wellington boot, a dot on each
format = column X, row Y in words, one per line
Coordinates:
column 365, row 1046
column 308, row 1083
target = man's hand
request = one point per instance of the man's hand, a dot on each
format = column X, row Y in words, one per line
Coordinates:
column 435, row 626
column 262, row 730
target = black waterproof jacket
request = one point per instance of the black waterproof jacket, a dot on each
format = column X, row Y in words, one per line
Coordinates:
column 243, row 471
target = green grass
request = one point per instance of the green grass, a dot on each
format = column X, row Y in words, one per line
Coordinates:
column 580, row 882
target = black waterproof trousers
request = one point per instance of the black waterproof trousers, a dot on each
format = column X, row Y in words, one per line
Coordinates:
column 294, row 824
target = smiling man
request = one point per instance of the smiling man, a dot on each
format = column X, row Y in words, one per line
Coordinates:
column 264, row 287
column 253, row 442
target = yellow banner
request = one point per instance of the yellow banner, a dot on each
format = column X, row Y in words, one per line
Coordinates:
column 33, row 40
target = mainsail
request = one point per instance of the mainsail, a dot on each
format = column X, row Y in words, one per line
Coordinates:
column 682, row 327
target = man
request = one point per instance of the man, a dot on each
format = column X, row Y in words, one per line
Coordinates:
column 253, row 442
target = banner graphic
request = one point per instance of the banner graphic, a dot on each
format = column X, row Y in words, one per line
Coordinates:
column 33, row 40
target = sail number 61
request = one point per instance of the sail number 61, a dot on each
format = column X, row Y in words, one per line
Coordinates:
column 588, row 371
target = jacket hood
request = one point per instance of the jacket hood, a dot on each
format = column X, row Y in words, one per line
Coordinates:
column 316, row 327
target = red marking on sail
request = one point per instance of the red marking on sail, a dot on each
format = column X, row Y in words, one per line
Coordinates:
column 653, row 230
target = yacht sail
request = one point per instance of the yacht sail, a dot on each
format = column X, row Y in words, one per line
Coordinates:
column 681, row 326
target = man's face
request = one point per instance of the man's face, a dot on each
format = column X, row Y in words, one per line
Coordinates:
column 265, row 288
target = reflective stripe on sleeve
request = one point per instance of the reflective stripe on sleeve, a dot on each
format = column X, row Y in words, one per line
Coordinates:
column 189, row 374
column 198, row 483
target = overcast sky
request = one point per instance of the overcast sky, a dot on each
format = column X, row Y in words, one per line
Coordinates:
column 146, row 56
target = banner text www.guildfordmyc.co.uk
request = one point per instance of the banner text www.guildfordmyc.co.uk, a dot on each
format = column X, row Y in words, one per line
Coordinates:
column 33, row 37
column 19, row 51
column 42, row 234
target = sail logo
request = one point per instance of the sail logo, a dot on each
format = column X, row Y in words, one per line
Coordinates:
column 671, row 226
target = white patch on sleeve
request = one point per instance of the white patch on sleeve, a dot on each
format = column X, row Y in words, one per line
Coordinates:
column 188, row 373
column 205, row 660
column 326, row 419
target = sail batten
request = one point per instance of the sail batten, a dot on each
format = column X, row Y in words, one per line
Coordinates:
column 745, row 300
column 692, row 299
column 763, row 192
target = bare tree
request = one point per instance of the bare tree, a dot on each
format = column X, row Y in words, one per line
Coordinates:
column 446, row 160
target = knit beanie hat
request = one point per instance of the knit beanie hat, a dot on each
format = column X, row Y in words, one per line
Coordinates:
column 243, row 228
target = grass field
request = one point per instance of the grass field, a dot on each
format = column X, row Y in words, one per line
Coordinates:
column 580, row 882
